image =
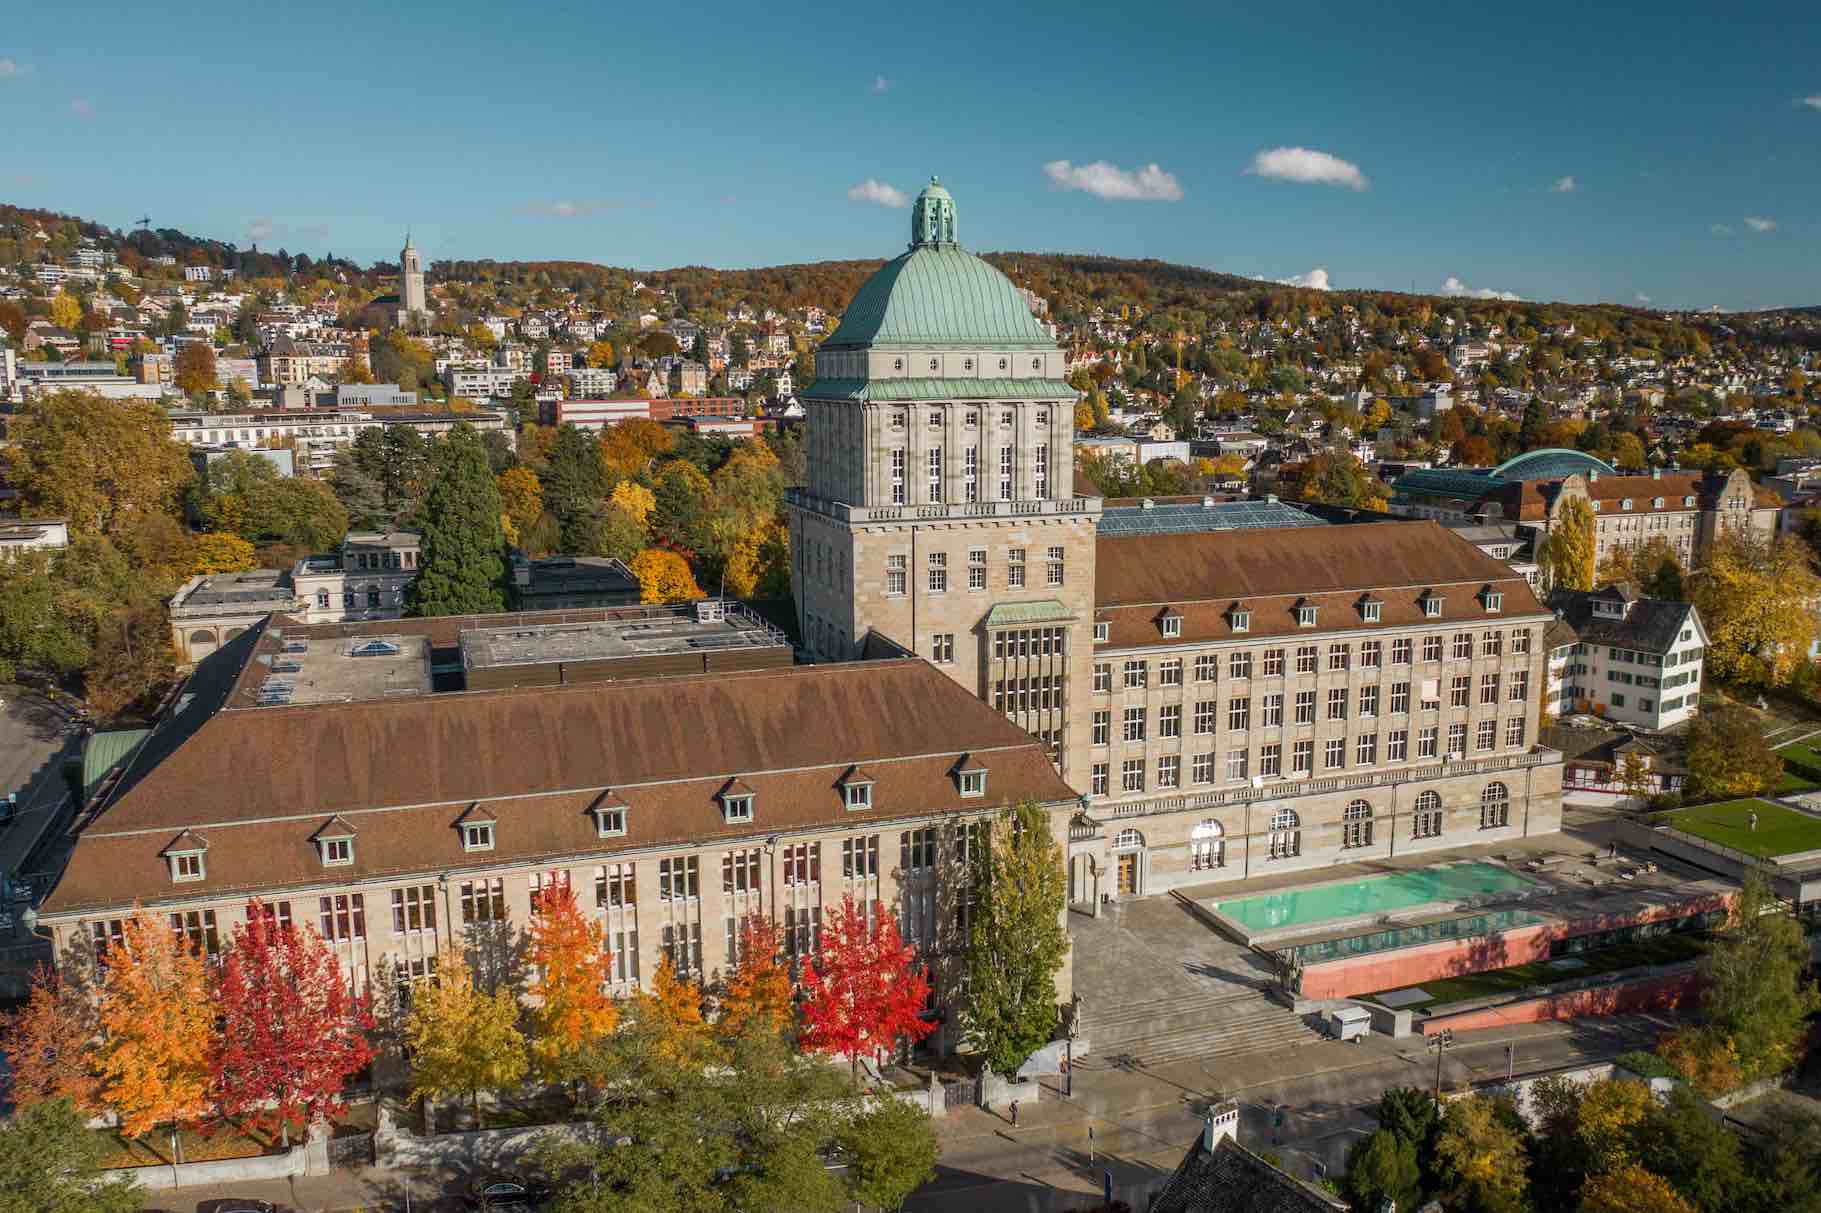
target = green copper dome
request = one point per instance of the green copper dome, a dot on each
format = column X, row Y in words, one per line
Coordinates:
column 938, row 294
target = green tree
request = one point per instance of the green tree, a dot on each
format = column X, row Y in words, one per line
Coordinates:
column 1016, row 940
column 1380, row 1166
column 103, row 464
column 1756, row 596
column 463, row 572
column 36, row 633
column 1412, row 1115
column 51, row 1163
column 891, row 1152
column 1683, row 1142
column 1337, row 478
column 133, row 660
column 1728, row 756
column 1480, row 1154
column 1568, row 548
column 1756, row 989
column 573, row 483
column 245, row 494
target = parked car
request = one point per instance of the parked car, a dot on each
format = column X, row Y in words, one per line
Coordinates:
column 237, row 1204
column 503, row 1191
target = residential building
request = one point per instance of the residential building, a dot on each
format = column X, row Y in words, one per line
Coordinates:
column 593, row 414
column 1631, row 659
column 364, row 579
column 591, row 381
column 211, row 610
column 290, row 361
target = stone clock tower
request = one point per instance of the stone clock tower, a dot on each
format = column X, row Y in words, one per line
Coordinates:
column 940, row 512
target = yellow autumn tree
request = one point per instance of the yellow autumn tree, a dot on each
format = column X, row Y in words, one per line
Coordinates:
column 66, row 310
column 664, row 576
column 600, row 354
column 462, row 1040
column 758, row 563
column 572, row 1011
column 157, row 1027
column 635, row 499
column 673, row 1010
column 1084, row 415
column 1480, row 1153
column 1756, row 595
column 1611, row 1111
column 1705, row 1057
column 521, row 497
column 758, row 991
column 632, row 447
column 1632, row 1189
column 218, row 552
column 1568, row 551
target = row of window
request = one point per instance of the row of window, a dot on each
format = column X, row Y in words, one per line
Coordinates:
column 1167, row 773
column 1309, row 659
column 897, row 570
column 935, row 461
column 1205, row 718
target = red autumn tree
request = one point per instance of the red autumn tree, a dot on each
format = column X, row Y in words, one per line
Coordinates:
column 574, row 1013
column 291, row 1029
column 758, row 990
column 50, row 1043
column 864, row 989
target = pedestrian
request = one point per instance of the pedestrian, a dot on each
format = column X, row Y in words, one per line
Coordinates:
column 1090, row 1145
column 1751, row 823
column 1014, row 1114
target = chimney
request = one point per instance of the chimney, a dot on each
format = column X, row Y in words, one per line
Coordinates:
column 1222, row 1123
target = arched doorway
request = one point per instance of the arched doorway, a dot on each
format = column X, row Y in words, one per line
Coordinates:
column 201, row 643
column 1128, row 862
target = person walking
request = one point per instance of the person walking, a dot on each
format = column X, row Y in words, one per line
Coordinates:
column 1014, row 1114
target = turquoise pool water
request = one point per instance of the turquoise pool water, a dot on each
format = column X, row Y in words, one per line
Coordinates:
column 1371, row 896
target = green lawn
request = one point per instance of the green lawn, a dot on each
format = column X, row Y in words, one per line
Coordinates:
column 1780, row 831
column 1658, row 950
column 1803, row 754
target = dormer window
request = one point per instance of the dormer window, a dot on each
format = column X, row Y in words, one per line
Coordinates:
column 1625, row 504
column 970, row 777
column 187, row 865
column 1172, row 624
column 1688, row 501
column 736, row 802
column 1596, row 507
column 1656, row 503
column 1103, row 632
column 1239, row 618
column 186, row 857
column 477, row 836
column 1371, row 610
column 1493, row 600
column 336, row 852
column 610, row 816
column 1305, row 615
column 1432, row 606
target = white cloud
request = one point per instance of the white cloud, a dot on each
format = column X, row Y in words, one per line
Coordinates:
column 260, row 229
column 1103, row 180
column 1456, row 289
column 563, row 208
column 12, row 67
column 81, row 107
column 1720, row 229
column 1642, row 298
column 871, row 190
column 1758, row 223
column 1564, row 185
column 1812, row 101
column 1307, row 166
column 1315, row 280
column 880, row 84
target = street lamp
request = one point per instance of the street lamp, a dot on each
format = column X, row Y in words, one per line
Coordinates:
column 1440, row 1043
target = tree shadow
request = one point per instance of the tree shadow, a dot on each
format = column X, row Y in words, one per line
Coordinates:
column 495, row 952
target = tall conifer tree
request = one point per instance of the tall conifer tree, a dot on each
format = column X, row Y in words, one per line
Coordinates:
column 462, row 569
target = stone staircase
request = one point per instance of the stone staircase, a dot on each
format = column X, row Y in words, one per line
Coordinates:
column 1194, row 1027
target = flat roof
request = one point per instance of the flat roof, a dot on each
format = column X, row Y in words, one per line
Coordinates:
column 341, row 670
column 1164, row 517
column 681, row 631
column 251, row 588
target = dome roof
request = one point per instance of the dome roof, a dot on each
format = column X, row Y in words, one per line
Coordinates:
column 1552, row 463
column 938, row 294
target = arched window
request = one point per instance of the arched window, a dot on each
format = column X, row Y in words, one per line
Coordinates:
column 1128, row 840
column 1356, row 825
column 1207, row 846
column 1427, row 822
column 1286, row 834
column 1495, row 807
column 202, row 636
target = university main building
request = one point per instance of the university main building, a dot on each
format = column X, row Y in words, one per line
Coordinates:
column 1195, row 692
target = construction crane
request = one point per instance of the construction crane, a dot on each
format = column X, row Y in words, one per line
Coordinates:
column 145, row 221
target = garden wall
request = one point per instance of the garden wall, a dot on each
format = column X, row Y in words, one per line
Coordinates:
column 222, row 1171
column 1643, row 994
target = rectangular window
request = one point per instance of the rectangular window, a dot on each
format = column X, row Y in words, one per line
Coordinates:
column 344, row 916
column 1365, row 749
column 1134, row 725
column 1014, row 568
column 976, row 568
column 1043, row 476
column 1103, row 677
column 1426, row 742
column 1305, row 658
column 1207, row 667
column 802, row 931
column 1135, row 675
column 1239, row 715
column 1271, row 759
column 1302, row 757
column 1486, row 735
column 1273, row 714
column 1274, row 663
column 1463, row 646
column 1400, row 698
column 1460, row 688
column 1239, row 665
column 1397, row 745
column 942, row 648
column 1305, row 707
column 414, row 909
column 970, row 474
column 740, row 870
column 935, row 473
column 1520, row 642
column 616, row 886
column 1489, row 689
column 938, row 572
column 1131, row 775
column 1097, row 779
column 1368, row 701
column 1340, row 656
column 917, row 850
column 1169, row 770
column 1337, row 703
column 898, row 476
column 187, row 866
column 897, row 574
column 1492, row 644
column 1204, row 717
column 1369, row 652
column 483, row 900
column 1169, row 672
column 679, row 879
column 195, row 930
column 860, row 857
column 1334, row 754
column 1432, row 648
column 477, row 836
column 1400, row 651
column 1520, row 685
column 1514, row 731
column 1103, row 727
column 1169, row 720
column 1237, row 765
column 1201, row 768
column 1005, row 473
column 1052, row 572
column 1457, row 739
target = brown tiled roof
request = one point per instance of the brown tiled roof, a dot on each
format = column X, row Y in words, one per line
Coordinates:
column 261, row 780
column 1203, row 575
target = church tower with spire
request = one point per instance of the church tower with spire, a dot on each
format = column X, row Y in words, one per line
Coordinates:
column 411, row 301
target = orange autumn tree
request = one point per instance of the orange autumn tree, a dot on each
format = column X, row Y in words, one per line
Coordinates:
column 50, row 1044
column 573, row 1012
column 864, row 990
column 758, row 991
column 157, row 1024
column 673, row 1011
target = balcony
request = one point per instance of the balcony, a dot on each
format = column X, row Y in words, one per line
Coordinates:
column 803, row 499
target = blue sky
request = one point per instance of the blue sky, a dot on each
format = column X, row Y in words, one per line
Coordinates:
column 1598, row 151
